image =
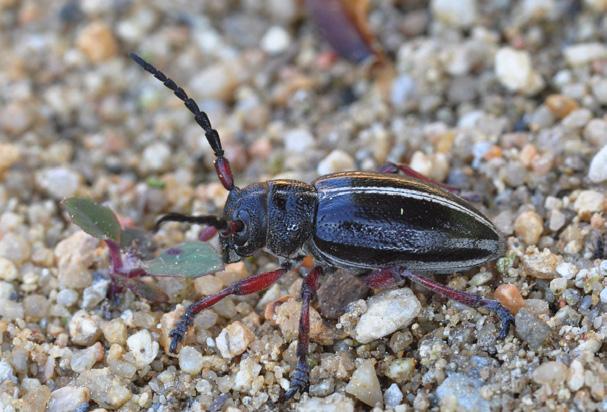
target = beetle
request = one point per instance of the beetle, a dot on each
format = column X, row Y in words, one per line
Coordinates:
column 383, row 225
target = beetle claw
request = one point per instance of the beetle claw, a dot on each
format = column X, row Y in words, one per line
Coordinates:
column 299, row 382
column 504, row 314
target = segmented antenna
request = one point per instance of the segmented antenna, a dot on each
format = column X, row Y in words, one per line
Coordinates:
column 222, row 166
column 214, row 221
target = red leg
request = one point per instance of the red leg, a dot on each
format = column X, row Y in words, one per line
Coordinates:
column 466, row 298
column 394, row 168
column 381, row 279
column 301, row 377
column 244, row 287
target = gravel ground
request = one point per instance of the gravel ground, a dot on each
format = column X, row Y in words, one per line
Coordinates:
column 506, row 99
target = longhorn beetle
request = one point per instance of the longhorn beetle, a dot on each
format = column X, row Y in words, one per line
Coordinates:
column 378, row 224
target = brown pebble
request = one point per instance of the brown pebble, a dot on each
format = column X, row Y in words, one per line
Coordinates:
column 509, row 295
column 337, row 291
column 529, row 227
column 560, row 105
column 97, row 42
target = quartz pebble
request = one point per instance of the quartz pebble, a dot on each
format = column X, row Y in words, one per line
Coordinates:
column 114, row 331
column 106, row 389
column 58, row 182
column 15, row 247
column 336, row 161
column 531, row 329
column 461, row 13
column 509, row 295
column 541, row 265
column 364, row 384
column 8, row 270
column 69, row 398
column 529, row 227
column 462, row 393
column 234, row 339
column 9, row 155
column 515, row 71
column 393, row 396
column 287, row 314
column 156, row 157
column 584, row 53
column 336, row 402
column 400, row 370
column 85, row 359
column 83, row 329
column 298, row 140
column 597, row 172
column 247, row 375
column 387, row 312
column 276, row 40
column 97, row 42
column 589, row 201
column 190, row 360
column 143, row 348
column 550, row 373
column 75, row 254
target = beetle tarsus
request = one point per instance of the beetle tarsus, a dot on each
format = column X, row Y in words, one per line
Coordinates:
column 301, row 377
column 179, row 331
column 209, row 220
column 504, row 314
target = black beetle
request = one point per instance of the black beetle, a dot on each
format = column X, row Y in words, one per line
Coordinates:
column 380, row 224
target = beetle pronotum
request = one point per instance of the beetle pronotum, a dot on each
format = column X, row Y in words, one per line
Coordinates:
column 379, row 224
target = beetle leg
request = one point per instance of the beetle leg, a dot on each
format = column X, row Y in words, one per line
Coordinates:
column 382, row 279
column 394, row 168
column 301, row 377
column 251, row 284
column 469, row 299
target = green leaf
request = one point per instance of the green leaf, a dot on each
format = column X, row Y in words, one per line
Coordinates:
column 148, row 291
column 189, row 259
column 96, row 220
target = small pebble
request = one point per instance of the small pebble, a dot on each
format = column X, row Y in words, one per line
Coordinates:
column 387, row 312
column 595, row 132
column 85, row 359
column 95, row 294
column 69, row 398
column 560, row 105
column 459, row 14
column 509, row 295
column 337, row 402
column 462, row 393
column 246, row 375
column 515, row 71
column 558, row 285
column 83, row 329
column 393, row 396
column 75, row 255
column 58, row 182
column 142, row 347
column 298, row 141
column 234, row 339
column 597, row 172
column 275, row 40
column 190, row 360
column 336, row 161
column 36, row 306
column 15, row 247
column 575, row 377
column 156, row 158
column 531, row 329
column 114, row 331
column 589, row 201
column 529, row 227
column 67, row 297
column 97, row 42
column 364, row 384
column 566, row 270
column 550, row 373
column 401, row 370
column 584, row 53
column 8, row 270
column 541, row 265
column 218, row 81
column 106, row 389
column 9, row 155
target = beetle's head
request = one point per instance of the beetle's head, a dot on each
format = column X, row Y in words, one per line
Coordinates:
column 246, row 209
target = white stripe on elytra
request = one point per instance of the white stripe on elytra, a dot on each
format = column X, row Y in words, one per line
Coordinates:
column 407, row 193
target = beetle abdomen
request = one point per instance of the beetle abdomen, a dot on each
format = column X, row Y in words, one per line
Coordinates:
column 372, row 220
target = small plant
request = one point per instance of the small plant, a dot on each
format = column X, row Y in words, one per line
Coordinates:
column 127, row 251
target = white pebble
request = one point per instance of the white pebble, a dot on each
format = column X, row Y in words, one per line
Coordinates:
column 275, row 40
column 603, row 295
column 584, row 53
column 386, row 313
column 393, row 396
column 364, row 384
column 143, row 349
column 461, row 13
column 69, row 398
column 84, row 359
column 6, row 371
column 8, row 270
column 589, row 201
column 245, row 377
column 58, row 182
column 234, row 339
column 575, row 380
column 156, row 157
column 598, row 166
column 550, row 373
column 566, row 270
column 336, row 161
column 190, row 360
column 67, row 297
column 83, row 329
column 298, row 140
column 514, row 70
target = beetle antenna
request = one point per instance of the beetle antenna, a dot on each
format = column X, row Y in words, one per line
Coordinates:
column 222, row 166
column 216, row 222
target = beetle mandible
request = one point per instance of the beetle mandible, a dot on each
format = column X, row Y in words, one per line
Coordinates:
column 380, row 224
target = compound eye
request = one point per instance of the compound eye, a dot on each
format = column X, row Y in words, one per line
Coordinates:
column 241, row 236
